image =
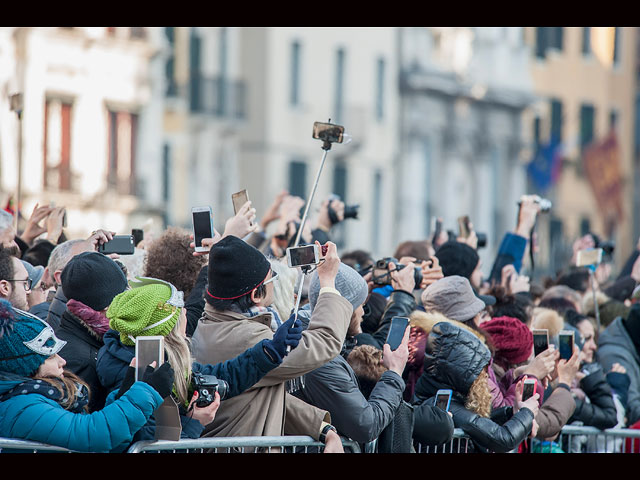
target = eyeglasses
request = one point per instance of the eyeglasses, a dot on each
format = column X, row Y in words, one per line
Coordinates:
column 274, row 276
column 26, row 282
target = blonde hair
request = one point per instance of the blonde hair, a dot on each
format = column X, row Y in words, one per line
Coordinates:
column 283, row 288
column 177, row 348
column 479, row 396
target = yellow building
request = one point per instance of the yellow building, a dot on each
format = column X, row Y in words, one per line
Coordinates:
column 585, row 80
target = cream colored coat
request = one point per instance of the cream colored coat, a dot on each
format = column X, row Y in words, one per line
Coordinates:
column 266, row 408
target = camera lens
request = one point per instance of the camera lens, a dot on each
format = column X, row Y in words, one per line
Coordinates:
column 223, row 389
column 351, row 211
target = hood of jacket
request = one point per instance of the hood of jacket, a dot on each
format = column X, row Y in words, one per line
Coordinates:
column 113, row 360
column 454, row 358
column 616, row 336
column 10, row 380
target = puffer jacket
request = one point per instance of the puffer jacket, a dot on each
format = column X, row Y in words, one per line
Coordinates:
column 454, row 358
column 241, row 373
column 36, row 418
column 600, row 409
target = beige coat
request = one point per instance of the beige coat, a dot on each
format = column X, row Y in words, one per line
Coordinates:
column 266, row 408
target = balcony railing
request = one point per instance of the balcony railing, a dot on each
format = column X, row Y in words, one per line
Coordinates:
column 217, row 96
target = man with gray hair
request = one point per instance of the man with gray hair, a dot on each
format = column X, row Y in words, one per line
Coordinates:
column 8, row 234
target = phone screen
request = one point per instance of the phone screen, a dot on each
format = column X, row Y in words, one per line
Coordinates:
column 566, row 345
column 540, row 342
column 148, row 350
column 396, row 331
column 302, row 256
column 201, row 227
column 443, row 399
column 239, row 199
column 529, row 389
column 328, row 131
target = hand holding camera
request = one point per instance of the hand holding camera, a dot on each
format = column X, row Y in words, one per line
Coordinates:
column 205, row 414
column 403, row 279
column 530, row 206
column 431, row 272
column 331, row 212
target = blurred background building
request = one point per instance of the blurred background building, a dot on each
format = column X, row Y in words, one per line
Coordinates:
column 130, row 127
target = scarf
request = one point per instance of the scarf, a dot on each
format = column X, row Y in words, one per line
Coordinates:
column 47, row 390
column 256, row 310
column 96, row 322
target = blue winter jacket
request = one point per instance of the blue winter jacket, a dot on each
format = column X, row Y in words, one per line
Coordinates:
column 35, row 418
column 240, row 373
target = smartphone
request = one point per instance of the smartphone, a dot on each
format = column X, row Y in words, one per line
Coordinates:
column 396, row 331
column 540, row 340
column 148, row 350
column 239, row 199
column 120, row 244
column 529, row 389
column 566, row 344
column 202, row 226
column 138, row 235
column 328, row 132
column 436, row 228
column 303, row 256
column 589, row 257
column 443, row 399
column 463, row 226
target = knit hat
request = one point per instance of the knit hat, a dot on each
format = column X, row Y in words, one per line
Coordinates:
column 235, row 269
column 93, row 279
column 457, row 258
column 25, row 341
column 34, row 272
column 453, row 297
column 348, row 282
column 152, row 307
column 511, row 338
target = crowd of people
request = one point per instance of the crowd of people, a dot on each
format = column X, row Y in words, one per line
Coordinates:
column 306, row 352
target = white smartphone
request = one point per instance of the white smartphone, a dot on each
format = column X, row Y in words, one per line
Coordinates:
column 303, row 256
column 202, row 226
column 529, row 389
column 148, row 350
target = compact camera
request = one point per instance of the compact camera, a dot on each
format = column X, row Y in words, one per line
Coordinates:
column 381, row 274
column 545, row 205
column 207, row 386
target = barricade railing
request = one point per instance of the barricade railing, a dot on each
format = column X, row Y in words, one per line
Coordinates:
column 459, row 443
column 283, row 444
column 12, row 445
column 583, row 439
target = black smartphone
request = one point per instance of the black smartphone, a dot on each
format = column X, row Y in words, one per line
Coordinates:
column 328, row 132
column 540, row 340
column 565, row 338
column 120, row 244
column 138, row 235
column 529, row 389
column 443, row 399
column 396, row 331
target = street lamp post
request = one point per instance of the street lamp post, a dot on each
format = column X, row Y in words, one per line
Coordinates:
column 17, row 105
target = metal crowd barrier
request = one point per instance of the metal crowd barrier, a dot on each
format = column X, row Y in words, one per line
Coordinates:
column 11, row 445
column 459, row 443
column 580, row 439
column 284, row 444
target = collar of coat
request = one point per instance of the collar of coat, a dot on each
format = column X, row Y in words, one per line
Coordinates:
column 213, row 315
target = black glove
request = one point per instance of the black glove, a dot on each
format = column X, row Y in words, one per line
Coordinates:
column 161, row 380
column 129, row 379
column 287, row 334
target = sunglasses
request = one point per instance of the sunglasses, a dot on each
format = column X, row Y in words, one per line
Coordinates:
column 274, row 276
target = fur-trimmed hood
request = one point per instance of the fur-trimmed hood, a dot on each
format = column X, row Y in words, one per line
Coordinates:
column 426, row 320
column 545, row 318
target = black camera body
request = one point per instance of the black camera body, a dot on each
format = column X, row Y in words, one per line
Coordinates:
column 207, row 386
column 381, row 274
column 350, row 211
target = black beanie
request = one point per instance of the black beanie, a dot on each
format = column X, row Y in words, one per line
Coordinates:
column 235, row 269
column 457, row 258
column 93, row 279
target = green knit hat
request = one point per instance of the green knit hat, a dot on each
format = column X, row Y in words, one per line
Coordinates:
column 152, row 307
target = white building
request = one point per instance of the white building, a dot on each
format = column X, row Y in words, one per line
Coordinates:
column 85, row 129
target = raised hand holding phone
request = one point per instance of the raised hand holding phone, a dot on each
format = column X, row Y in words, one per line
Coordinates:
column 395, row 359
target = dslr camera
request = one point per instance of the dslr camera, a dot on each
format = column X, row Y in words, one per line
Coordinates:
column 381, row 273
column 207, row 386
column 350, row 211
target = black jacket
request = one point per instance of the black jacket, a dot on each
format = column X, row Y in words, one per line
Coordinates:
column 600, row 410
column 400, row 304
column 454, row 358
column 195, row 302
column 56, row 309
column 81, row 355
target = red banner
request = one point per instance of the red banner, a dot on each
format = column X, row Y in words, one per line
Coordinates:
column 601, row 161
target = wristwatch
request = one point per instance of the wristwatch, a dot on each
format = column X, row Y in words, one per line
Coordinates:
column 323, row 434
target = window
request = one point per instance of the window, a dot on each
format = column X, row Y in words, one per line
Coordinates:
column 585, row 226
column 613, row 119
column 194, row 72
column 556, row 120
column 536, row 131
column 586, row 41
column 340, row 181
column 557, row 34
column 377, row 206
column 170, row 76
column 166, row 171
column 587, row 114
column 298, row 178
column 541, row 42
column 122, row 131
column 223, row 90
column 380, row 89
column 547, row 38
column 57, row 144
column 339, row 86
column 294, row 97
column 616, row 46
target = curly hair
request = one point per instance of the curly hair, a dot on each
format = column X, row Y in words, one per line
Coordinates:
column 366, row 362
column 170, row 258
column 479, row 396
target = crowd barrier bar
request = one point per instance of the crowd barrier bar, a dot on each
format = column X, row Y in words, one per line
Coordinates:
column 611, row 440
column 286, row 444
column 9, row 445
